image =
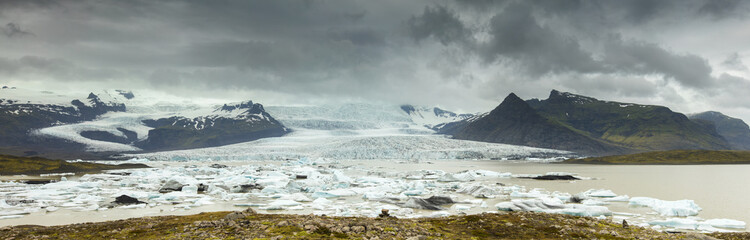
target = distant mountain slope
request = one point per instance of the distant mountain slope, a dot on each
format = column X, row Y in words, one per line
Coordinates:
column 734, row 130
column 640, row 127
column 515, row 122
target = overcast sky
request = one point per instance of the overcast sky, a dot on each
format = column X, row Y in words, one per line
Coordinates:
column 464, row 55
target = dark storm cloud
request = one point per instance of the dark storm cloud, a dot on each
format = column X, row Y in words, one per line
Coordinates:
column 440, row 23
column 14, row 30
column 517, row 34
column 722, row 8
column 425, row 51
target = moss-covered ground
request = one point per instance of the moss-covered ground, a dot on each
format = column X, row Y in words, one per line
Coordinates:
column 248, row 225
column 12, row 165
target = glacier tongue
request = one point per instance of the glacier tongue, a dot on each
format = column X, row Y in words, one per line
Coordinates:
column 359, row 144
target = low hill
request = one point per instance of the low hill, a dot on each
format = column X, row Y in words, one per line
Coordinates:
column 12, row 165
column 672, row 157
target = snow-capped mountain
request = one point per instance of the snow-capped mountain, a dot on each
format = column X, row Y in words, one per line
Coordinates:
column 112, row 121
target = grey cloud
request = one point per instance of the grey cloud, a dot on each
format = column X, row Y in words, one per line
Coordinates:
column 722, row 8
column 648, row 58
column 734, row 86
column 14, row 30
column 358, row 37
column 55, row 68
column 734, row 61
column 27, row 4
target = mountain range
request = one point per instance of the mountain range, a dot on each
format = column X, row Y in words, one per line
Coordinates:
column 594, row 127
column 112, row 122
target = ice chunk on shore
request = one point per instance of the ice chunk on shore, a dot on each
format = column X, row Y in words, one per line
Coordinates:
column 679, row 208
column 710, row 225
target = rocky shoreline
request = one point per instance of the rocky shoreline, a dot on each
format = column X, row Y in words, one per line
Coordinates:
column 250, row 225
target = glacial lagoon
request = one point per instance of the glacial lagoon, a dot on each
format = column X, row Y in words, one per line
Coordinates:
column 357, row 188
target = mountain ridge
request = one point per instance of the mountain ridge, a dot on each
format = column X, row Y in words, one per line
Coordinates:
column 606, row 127
column 515, row 122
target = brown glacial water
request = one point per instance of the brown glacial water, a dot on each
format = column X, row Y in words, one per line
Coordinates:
column 723, row 191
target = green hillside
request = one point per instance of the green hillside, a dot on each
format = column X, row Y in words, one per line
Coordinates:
column 638, row 127
column 672, row 157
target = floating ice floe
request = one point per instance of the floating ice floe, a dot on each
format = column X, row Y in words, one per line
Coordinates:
column 478, row 191
column 599, row 193
column 553, row 205
column 678, row 208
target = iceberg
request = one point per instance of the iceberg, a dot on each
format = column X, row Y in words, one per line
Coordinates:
column 679, row 208
column 334, row 193
column 280, row 204
column 553, row 205
column 599, row 193
column 478, row 191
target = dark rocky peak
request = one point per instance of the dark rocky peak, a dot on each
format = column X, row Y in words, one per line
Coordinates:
column 92, row 96
column 251, row 108
column 443, row 113
column 127, row 94
column 512, row 104
column 409, row 109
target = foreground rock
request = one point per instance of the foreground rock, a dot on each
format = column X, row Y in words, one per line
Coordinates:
column 250, row 225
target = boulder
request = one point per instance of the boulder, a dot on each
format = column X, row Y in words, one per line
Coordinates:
column 171, row 186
